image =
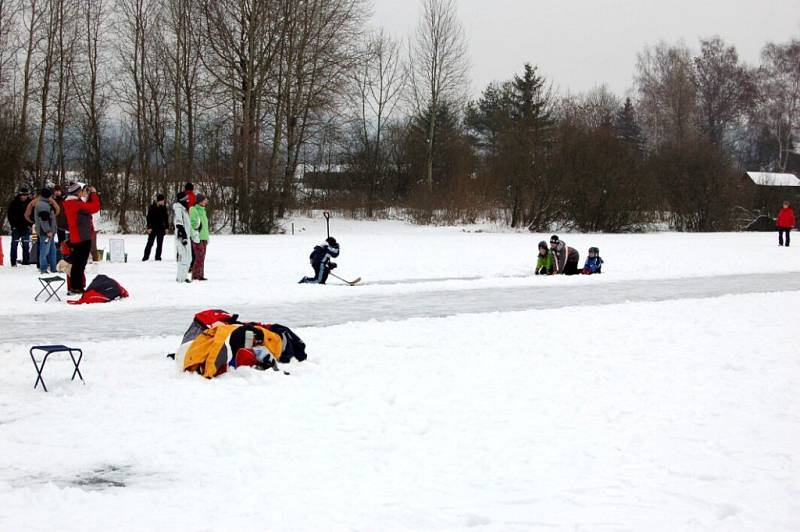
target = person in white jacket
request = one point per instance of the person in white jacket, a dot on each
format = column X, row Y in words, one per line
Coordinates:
column 181, row 210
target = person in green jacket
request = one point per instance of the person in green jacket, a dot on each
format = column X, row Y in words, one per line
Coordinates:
column 545, row 261
column 199, row 236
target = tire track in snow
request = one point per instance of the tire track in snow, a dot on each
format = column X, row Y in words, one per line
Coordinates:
column 71, row 326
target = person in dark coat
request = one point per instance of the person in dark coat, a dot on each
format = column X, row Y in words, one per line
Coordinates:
column 321, row 261
column 157, row 225
column 20, row 226
column 567, row 258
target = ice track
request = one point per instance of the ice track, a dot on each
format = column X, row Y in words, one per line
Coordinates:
column 74, row 324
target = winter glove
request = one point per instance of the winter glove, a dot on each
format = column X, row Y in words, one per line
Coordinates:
column 181, row 233
column 332, row 265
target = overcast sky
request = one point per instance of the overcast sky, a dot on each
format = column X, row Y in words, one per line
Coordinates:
column 579, row 44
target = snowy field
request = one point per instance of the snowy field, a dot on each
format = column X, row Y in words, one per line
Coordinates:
column 451, row 391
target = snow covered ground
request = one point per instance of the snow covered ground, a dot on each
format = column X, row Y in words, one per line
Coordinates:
column 659, row 396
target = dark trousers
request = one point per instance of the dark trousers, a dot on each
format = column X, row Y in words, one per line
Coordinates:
column 159, row 239
column 62, row 237
column 321, row 272
column 781, row 231
column 24, row 236
column 198, row 268
column 79, row 257
column 571, row 268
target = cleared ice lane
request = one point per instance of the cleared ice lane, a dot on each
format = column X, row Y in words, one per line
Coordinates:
column 73, row 325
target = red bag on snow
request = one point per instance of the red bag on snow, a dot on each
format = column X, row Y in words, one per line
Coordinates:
column 101, row 290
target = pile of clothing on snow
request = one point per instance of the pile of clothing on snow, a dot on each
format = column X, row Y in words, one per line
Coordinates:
column 102, row 289
column 216, row 340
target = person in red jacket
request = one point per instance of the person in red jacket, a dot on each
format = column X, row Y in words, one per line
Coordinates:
column 785, row 223
column 80, row 205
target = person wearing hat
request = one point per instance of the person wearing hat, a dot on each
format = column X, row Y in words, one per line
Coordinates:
column 20, row 227
column 180, row 211
column 321, row 261
column 157, row 225
column 61, row 218
column 567, row 258
column 44, row 217
column 199, row 221
column 545, row 261
column 81, row 203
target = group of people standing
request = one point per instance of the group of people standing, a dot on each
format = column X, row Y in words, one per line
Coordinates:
column 560, row 259
column 191, row 232
column 63, row 226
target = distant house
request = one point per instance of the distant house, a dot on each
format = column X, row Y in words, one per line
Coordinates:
column 768, row 190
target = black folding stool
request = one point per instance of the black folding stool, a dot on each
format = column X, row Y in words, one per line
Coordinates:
column 47, row 287
column 50, row 349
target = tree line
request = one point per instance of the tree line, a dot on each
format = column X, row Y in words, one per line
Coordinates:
column 275, row 105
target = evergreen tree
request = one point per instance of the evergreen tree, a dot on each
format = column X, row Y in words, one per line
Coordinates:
column 626, row 126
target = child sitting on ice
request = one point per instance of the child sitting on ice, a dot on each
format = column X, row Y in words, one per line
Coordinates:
column 594, row 264
column 544, row 260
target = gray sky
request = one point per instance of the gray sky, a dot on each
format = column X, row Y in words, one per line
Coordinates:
column 582, row 43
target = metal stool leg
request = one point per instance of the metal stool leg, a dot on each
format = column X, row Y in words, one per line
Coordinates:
column 77, row 364
column 39, row 370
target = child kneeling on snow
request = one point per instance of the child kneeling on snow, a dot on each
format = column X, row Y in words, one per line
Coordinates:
column 594, row 264
column 545, row 261
column 321, row 261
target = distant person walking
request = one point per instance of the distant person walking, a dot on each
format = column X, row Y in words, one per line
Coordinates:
column 785, row 222
column 199, row 221
column 157, row 225
column 20, row 227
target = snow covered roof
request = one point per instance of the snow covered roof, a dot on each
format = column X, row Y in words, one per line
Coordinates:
column 771, row 179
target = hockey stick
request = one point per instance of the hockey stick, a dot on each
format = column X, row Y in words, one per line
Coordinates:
column 327, row 215
column 351, row 283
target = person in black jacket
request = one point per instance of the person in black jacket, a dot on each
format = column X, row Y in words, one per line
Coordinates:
column 321, row 261
column 157, row 225
column 20, row 227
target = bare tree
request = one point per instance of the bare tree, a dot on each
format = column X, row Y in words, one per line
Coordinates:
column 724, row 88
column 779, row 105
column 90, row 87
column 438, row 68
column 32, row 16
column 665, row 81
column 378, row 83
column 65, row 47
column 243, row 40
column 318, row 56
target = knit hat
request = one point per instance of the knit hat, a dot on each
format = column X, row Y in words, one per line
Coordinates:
column 23, row 191
column 181, row 197
column 332, row 242
column 188, row 186
column 160, row 197
column 542, row 245
column 200, row 198
column 46, row 193
column 554, row 239
column 74, row 188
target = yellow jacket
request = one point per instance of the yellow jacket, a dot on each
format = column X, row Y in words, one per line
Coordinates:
column 211, row 350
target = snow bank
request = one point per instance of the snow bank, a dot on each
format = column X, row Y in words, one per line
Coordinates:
column 681, row 415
